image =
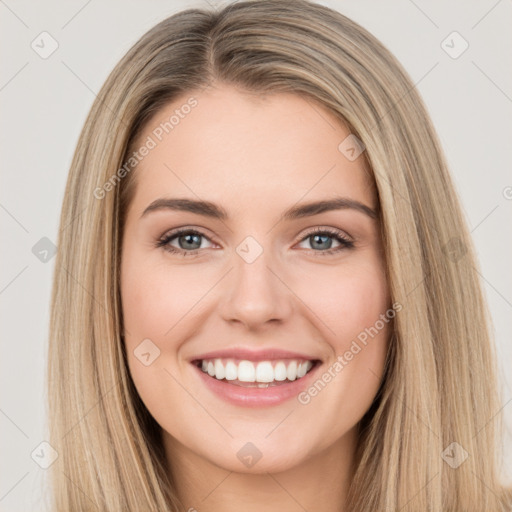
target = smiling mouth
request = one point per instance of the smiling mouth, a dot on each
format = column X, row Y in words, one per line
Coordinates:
column 262, row 374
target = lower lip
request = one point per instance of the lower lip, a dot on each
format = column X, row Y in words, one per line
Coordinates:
column 254, row 396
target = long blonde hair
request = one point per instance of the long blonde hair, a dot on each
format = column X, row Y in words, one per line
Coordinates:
column 440, row 385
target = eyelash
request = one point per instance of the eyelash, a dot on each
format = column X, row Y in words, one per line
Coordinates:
column 345, row 243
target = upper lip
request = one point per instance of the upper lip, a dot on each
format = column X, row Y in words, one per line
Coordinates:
column 254, row 355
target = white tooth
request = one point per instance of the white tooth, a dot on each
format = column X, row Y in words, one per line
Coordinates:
column 231, row 371
column 219, row 369
column 280, row 371
column 263, row 385
column 264, row 372
column 246, row 371
column 301, row 370
column 291, row 372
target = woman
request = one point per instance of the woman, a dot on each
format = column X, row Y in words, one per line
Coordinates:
column 267, row 293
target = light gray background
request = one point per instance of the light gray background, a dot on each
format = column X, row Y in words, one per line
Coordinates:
column 44, row 103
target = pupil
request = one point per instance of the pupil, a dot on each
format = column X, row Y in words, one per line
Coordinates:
column 316, row 237
column 189, row 240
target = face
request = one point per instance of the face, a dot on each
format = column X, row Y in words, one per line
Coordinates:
column 232, row 293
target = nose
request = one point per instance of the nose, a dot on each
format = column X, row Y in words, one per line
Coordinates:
column 256, row 294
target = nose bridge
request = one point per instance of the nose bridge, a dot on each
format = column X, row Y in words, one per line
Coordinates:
column 255, row 294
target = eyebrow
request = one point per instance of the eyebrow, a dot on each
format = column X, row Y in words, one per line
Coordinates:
column 209, row 209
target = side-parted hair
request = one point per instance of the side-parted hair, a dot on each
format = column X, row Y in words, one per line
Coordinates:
column 440, row 384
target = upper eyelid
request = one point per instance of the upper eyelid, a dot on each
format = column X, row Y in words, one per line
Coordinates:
column 332, row 231
column 185, row 229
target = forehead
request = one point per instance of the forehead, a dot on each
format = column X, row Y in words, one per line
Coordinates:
column 225, row 143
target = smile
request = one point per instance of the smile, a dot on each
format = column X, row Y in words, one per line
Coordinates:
column 261, row 374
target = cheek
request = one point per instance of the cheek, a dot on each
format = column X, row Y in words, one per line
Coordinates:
column 347, row 299
column 155, row 300
column 357, row 324
column 364, row 325
column 363, row 300
column 154, row 307
column 151, row 307
column 160, row 303
column 148, row 309
column 354, row 308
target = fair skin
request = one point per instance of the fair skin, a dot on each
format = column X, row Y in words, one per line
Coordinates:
column 255, row 156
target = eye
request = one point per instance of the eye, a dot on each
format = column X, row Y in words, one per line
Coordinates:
column 188, row 240
column 321, row 241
